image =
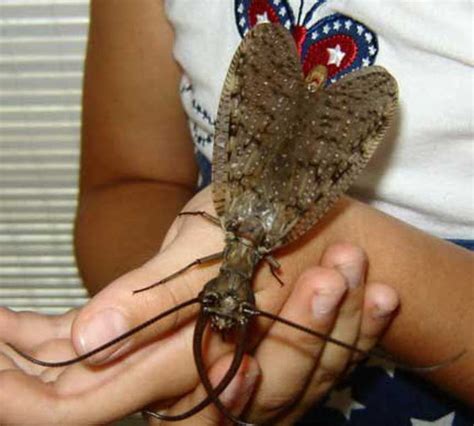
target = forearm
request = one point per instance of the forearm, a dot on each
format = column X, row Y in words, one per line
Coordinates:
column 137, row 163
column 119, row 227
column 434, row 279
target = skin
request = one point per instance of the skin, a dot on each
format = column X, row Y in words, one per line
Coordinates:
column 137, row 173
column 160, row 371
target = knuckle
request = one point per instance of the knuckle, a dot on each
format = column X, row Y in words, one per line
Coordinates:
column 274, row 403
column 330, row 372
column 327, row 377
column 344, row 252
column 330, row 280
column 204, row 419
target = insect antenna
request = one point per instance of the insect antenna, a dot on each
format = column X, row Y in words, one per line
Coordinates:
column 212, row 393
column 375, row 354
column 105, row 345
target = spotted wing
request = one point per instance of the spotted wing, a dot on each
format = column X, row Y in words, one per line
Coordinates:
column 283, row 153
column 339, row 131
column 258, row 101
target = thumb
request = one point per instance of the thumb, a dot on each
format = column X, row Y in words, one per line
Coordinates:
column 116, row 311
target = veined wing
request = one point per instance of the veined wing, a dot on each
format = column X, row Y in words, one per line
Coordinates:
column 341, row 128
column 257, row 106
column 284, row 153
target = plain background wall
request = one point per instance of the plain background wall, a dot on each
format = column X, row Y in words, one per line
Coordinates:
column 42, row 46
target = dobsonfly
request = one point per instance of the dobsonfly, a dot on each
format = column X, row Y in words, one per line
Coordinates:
column 285, row 150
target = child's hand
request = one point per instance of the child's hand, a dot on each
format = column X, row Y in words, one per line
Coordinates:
column 290, row 367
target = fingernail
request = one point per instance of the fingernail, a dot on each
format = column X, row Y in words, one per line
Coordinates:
column 101, row 328
column 381, row 311
column 324, row 303
column 352, row 273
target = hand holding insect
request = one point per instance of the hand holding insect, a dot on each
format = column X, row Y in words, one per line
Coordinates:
column 188, row 238
column 164, row 369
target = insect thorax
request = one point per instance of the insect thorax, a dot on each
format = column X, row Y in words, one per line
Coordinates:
column 257, row 218
column 226, row 296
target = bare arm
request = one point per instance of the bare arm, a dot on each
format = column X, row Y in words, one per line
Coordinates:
column 138, row 171
column 137, row 165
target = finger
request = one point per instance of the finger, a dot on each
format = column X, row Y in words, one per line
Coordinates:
column 116, row 310
column 6, row 362
column 234, row 397
column 27, row 400
column 351, row 262
column 81, row 395
column 287, row 356
column 380, row 304
column 29, row 329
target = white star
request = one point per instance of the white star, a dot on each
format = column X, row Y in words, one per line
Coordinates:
column 447, row 420
column 263, row 17
column 240, row 9
column 360, row 29
column 336, row 25
column 343, row 402
column 242, row 22
column 282, row 11
column 200, row 179
column 276, row 2
column 365, row 62
column 372, row 50
column 326, row 29
column 336, row 55
column 368, row 37
column 287, row 24
column 314, row 35
column 348, row 24
column 387, row 366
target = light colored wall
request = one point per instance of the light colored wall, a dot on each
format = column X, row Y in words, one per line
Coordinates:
column 42, row 47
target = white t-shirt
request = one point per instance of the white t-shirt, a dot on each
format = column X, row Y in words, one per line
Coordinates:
column 423, row 171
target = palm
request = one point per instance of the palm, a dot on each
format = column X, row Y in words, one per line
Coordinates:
column 49, row 338
column 101, row 394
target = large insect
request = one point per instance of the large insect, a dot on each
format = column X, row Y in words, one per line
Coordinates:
column 285, row 150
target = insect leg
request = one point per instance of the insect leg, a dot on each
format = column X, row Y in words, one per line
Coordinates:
column 200, row 261
column 205, row 215
column 212, row 393
column 274, row 267
column 108, row 344
column 375, row 354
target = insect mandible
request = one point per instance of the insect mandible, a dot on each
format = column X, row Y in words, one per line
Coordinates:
column 285, row 150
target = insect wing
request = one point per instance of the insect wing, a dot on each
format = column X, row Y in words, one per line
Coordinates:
column 282, row 150
column 341, row 129
column 257, row 102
